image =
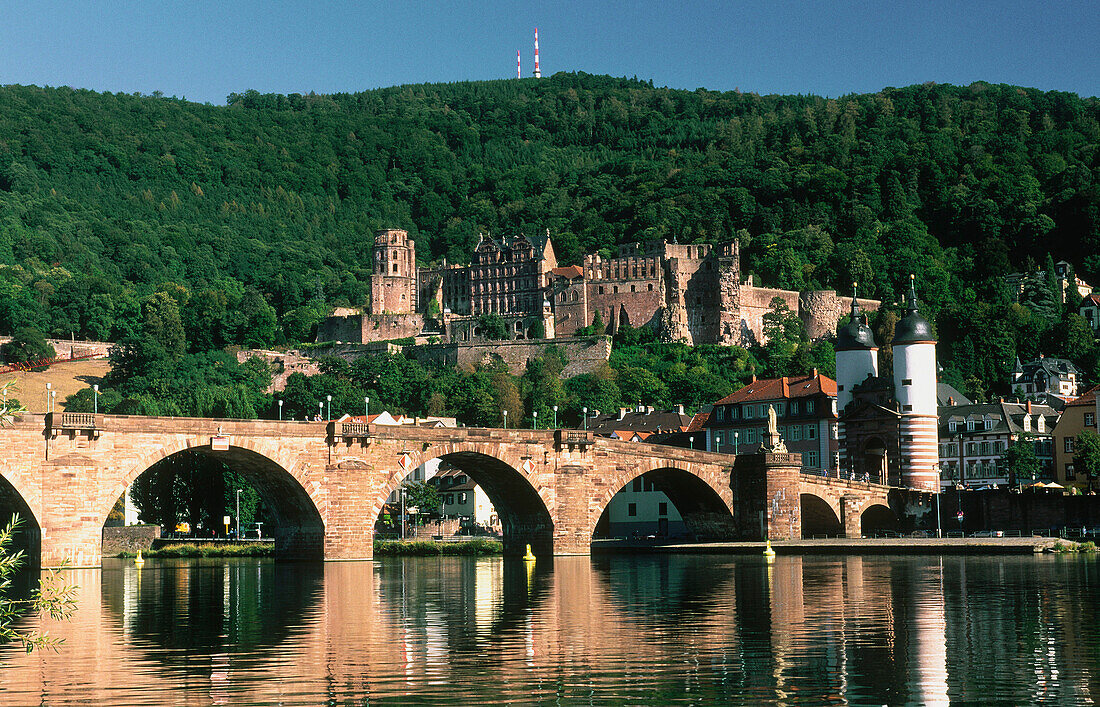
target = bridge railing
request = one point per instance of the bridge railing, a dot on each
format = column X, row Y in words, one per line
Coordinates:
column 73, row 422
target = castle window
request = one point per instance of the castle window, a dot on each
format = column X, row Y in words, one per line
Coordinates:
column 907, row 381
column 615, row 289
column 395, row 255
column 632, row 288
column 395, row 267
column 651, row 287
column 574, row 296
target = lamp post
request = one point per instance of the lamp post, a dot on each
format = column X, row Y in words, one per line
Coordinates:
column 280, row 411
column 402, row 512
column 939, row 530
column 53, row 400
column 366, row 409
column 320, row 408
column 95, row 399
column 691, row 442
column 48, row 387
column 535, row 418
column 238, row 514
column 329, row 399
column 736, row 442
column 555, row 409
column 585, row 411
column 505, row 414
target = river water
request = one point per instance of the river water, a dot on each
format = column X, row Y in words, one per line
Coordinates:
column 604, row 630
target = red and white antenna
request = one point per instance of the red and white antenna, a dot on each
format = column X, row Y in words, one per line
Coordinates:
column 538, row 74
column 519, row 73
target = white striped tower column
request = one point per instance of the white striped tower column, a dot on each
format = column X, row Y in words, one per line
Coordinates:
column 915, row 390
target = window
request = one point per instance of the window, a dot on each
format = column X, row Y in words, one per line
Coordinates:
column 632, row 288
column 449, row 499
column 601, row 289
column 462, row 497
column 811, row 431
column 794, row 407
column 637, row 485
column 1067, row 445
column 1090, row 419
column 796, row 433
column 662, row 509
column 632, row 509
column 952, row 425
column 988, row 423
column 648, row 484
column 721, row 414
column 985, row 449
column 651, row 287
column 810, row 459
column 1070, row 475
column 969, row 424
column 907, row 381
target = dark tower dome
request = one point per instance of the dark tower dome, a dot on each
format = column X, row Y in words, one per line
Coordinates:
column 855, row 335
column 913, row 328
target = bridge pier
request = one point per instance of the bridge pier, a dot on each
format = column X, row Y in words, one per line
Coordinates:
column 767, row 496
column 850, row 516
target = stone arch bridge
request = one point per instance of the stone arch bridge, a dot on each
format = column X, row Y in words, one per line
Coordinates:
column 326, row 483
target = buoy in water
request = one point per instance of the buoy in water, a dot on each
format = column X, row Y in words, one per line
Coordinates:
column 530, row 556
column 768, row 551
column 139, row 561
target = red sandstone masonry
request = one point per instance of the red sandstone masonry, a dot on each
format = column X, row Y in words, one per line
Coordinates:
column 329, row 490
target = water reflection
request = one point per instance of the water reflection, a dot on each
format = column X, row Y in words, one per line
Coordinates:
column 694, row 629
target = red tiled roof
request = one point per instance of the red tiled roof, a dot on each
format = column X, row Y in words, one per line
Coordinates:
column 1086, row 398
column 780, row 388
column 1094, row 298
column 698, row 422
column 569, row 271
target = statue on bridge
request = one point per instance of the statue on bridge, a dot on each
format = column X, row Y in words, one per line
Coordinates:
column 772, row 442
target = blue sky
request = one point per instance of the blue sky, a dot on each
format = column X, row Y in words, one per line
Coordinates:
column 205, row 50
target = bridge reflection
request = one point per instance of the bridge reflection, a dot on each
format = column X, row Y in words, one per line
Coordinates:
column 845, row 629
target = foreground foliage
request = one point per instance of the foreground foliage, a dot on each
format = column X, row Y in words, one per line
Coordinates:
column 52, row 597
column 207, row 550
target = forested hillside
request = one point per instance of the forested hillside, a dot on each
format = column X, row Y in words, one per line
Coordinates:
column 241, row 224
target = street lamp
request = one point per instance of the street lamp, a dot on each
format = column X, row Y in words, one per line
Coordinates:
column 555, row 409
column 939, row 488
column 366, row 409
column 691, row 442
column 585, row 411
column 736, row 442
column 329, row 399
column 53, row 400
column 320, row 408
column 280, row 411
column 535, row 416
column 238, row 514
column 48, row 386
column 95, row 398
column 505, row 418
column 402, row 512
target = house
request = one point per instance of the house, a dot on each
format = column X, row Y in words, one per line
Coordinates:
column 974, row 438
column 1079, row 415
column 641, row 421
column 1090, row 310
column 463, row 499
column 805, row 405
column 1057, row 376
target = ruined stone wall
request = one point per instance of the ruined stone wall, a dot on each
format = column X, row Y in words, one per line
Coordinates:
column 362, row 329
column 570, row 303
column 820, row 311
column 391, row 294
column 583, row 355
column 755, row 303
column 637, row 303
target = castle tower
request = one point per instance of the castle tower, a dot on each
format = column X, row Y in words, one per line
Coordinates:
column 856, row 358
column 393, row 287
column 915, row 391
column 856, row 355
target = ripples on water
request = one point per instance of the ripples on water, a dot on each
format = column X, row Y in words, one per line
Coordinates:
column 622, row 630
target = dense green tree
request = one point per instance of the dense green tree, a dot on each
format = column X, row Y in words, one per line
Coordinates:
column 27, row 344
column 1023, row 466
column 1086, row 454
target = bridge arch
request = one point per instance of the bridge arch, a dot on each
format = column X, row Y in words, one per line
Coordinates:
column 512, row 482
column 705, row 512
column 819, row 516
column 281, row 480
column 13, row 502
column 876, row 516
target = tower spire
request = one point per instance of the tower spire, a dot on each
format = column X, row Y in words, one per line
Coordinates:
column 538, row 73
column 855, row 301
column 912, row 294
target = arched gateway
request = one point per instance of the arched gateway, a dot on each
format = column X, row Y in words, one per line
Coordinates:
column 327, row 482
